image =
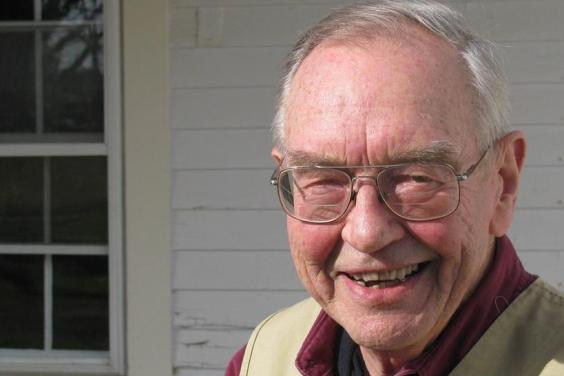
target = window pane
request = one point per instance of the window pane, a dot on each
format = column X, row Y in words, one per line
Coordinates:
column 17, row 91
column 74, row 10
column 21, row 303
column 73, row 79
column 21, row 200
column 20, row 10
column 79, row 200
column 80, row 302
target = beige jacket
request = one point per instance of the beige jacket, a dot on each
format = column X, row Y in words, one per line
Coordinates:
column 526, row 340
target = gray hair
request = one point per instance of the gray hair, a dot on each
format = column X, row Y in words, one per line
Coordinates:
column 364, row 21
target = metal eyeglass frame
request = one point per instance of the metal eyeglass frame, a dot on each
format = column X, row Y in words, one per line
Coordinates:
column 275, row 178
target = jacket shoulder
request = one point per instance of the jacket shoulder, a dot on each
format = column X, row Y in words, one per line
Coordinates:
column 527, row 339
column 555, row 347
column 276, row 341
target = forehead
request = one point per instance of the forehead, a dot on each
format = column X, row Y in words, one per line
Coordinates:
column 366, row 103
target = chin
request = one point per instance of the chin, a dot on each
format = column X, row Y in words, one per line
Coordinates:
column 389, row 332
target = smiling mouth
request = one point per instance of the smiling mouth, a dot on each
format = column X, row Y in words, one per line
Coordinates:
column 387, row 278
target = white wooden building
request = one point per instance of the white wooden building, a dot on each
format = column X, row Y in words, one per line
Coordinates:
column 231, row 260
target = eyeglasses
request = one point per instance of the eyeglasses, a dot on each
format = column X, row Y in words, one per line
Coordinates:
column 412, row 191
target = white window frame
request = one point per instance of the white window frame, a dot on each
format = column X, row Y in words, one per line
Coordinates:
column 62, row 362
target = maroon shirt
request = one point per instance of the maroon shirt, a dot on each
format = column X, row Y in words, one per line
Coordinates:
column 503, row 282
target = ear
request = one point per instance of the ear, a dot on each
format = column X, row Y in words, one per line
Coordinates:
column 508, row 166
column 277, row 155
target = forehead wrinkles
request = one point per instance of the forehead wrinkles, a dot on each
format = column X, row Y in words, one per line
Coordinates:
column 415, row 47
column 330, row 100
column 328, row 79
column 331, row 93
column 376, row 92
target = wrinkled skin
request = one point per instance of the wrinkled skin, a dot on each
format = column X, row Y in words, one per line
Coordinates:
column 381, row 103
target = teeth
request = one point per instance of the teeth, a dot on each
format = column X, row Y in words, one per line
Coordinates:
column 386, row 277
column 400, row 274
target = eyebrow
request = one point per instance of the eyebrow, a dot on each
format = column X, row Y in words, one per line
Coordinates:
column 437, row 152
column 304, row 158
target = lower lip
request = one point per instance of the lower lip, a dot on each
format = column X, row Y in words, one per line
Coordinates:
column 383, row 295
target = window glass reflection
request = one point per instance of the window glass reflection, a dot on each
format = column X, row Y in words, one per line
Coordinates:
column 79, row 200
column 21, row 200
column 17, row 91
column 71, row 10
column 73, row 79
column 20, row 10
column 21, row 305
column 80, row 302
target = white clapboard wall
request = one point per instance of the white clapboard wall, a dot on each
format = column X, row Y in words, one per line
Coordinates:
column 231, row 264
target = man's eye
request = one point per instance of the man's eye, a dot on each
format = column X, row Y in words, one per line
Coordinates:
column 323, row 186
column 415, row 183
column 412, row 178
column 422, row 179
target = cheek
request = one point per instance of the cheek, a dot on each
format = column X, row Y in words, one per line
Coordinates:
column 478, row 204
column 312, row 248
column 436, row 235
column 446, row 239
column 312, row 244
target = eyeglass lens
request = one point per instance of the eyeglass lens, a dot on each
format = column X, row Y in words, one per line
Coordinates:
column 411, row 191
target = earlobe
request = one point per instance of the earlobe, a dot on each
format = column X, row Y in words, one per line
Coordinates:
column 509, row 163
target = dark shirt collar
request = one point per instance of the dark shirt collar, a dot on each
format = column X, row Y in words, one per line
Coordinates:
column 503, row 282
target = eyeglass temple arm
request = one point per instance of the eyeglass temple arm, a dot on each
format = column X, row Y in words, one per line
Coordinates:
column 466, row 175
column 274, row 181
column 274, row 177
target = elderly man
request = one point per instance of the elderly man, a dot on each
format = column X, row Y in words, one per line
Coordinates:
column 399, row 178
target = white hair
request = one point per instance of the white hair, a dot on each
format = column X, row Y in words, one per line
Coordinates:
column 363, row 21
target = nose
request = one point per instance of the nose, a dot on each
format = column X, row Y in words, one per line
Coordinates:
column 369, row 225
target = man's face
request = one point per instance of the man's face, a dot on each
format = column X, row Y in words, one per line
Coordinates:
column 393, row 98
